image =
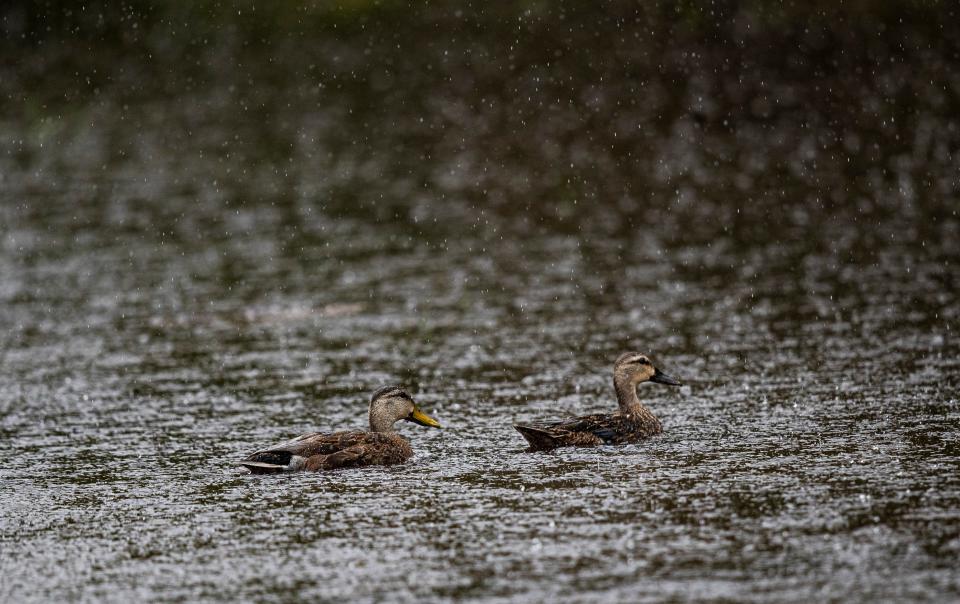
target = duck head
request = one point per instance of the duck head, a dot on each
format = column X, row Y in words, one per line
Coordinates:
column 391, row 404
column 633, row 368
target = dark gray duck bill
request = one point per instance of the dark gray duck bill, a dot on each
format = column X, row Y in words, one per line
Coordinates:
column 662, row 378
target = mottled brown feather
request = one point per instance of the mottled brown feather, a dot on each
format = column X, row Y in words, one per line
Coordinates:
column 349, row 449
column 591, row 430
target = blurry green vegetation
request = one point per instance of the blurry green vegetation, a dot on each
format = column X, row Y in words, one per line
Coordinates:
column 172, row 43
column 136, row 20
column 557, row 104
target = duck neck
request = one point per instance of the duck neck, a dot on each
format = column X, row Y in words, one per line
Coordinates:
column 628, row 399
column 380, row 423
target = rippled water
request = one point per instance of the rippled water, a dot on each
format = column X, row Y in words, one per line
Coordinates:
column 201, row 264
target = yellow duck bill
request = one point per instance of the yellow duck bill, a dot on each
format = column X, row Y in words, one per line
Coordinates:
column 419, row 417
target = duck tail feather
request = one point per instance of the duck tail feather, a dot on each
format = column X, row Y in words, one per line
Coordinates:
column 273, row 461
column 539, row 439
column 262, row 467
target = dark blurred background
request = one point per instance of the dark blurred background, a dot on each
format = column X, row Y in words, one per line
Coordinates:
column 545, row 113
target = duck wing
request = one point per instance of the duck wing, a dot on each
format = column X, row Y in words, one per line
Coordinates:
column 587, row 430
column 319, row 451
column 601, row 425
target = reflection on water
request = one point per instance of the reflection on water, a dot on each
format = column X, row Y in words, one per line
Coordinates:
column 200, row 261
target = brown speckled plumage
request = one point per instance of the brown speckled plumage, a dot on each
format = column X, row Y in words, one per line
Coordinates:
column 381, row 446
column 633, row 422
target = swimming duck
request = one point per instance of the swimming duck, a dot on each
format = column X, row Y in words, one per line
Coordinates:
column 381, row 446
column 631, row 423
